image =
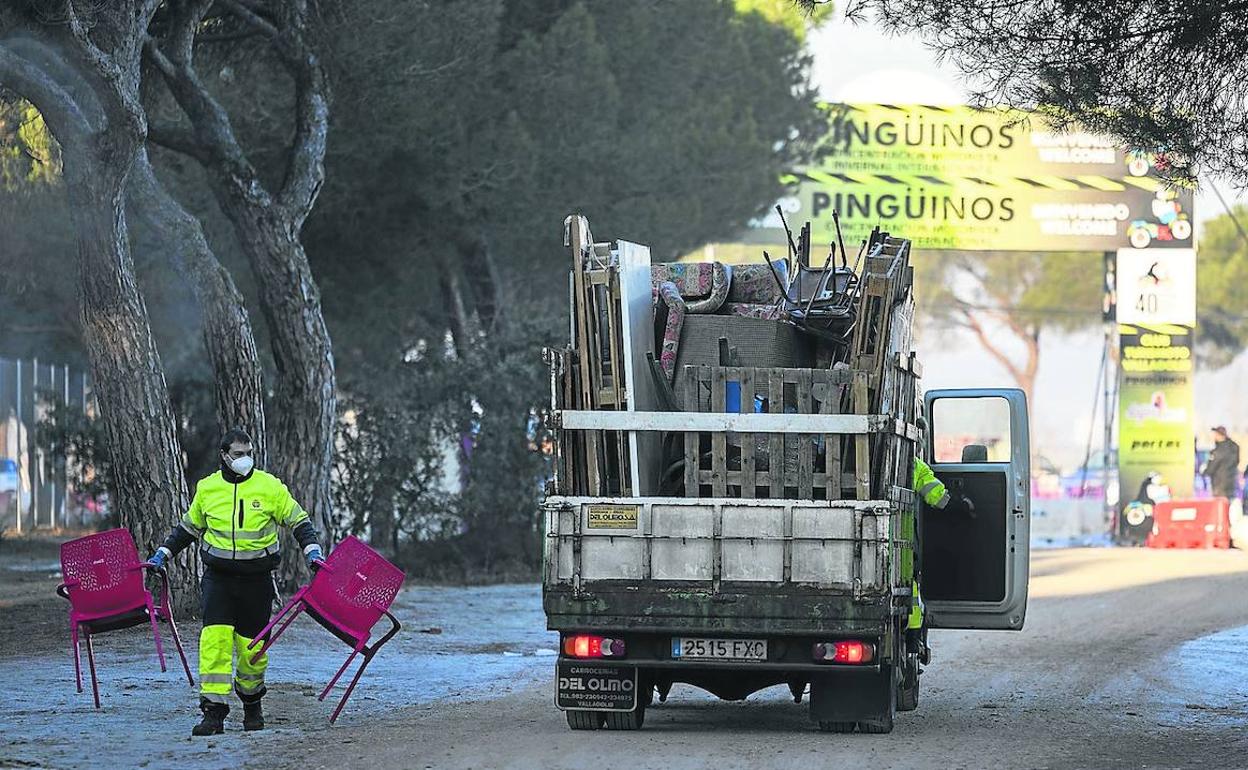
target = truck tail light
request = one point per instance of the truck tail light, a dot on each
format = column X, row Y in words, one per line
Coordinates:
column 590, row 646
column 851, row 652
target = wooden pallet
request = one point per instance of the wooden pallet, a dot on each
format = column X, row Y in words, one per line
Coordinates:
column 794, row 466
column 885, row 284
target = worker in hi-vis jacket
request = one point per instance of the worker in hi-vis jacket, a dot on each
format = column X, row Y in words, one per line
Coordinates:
column 933, row 492
column 235, row 516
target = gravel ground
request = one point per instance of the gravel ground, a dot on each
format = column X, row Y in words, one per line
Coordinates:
column 1131, row 658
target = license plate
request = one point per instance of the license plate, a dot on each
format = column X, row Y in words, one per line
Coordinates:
column 719, row 649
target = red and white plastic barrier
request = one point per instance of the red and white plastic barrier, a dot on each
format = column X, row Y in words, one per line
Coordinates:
column 1202, row 523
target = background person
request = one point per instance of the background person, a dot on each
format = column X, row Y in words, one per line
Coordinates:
column 1222, row 467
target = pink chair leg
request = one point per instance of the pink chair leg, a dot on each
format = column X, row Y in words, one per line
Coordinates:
column 95, row 685
column 177, row 642
column 367, row 659
column 73, row 643
column 160, row 652
column 294, row 600
column 274, row 636
column 334, row 681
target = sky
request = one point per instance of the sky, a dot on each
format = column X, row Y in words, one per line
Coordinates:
column 861, row 63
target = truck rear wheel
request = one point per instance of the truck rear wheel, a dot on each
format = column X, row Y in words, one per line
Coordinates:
column 837, row 727
column 585, row 720
column 627, row 720
column 878, row 726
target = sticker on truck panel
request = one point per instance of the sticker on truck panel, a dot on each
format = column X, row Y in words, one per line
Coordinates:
column 595, row 688
column 613, row 516
column 719, row 649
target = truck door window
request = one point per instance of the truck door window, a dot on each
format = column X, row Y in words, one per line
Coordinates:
column 961, row 422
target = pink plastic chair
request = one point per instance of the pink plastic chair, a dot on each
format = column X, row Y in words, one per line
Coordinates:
column 104, row 586
column 348, row 595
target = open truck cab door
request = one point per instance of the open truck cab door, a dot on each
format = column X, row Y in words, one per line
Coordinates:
column 975, row 563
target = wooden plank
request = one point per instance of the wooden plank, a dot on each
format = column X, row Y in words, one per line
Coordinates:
column 563, row 443
column 594, row 354
column 719, row 439
column 775, row 450
column 578, row 239
column 862, row 470
column 832, row 442
column 614, row 340
column 805, row 452
column 579, row 419
column 748, row 488
column 601, row 469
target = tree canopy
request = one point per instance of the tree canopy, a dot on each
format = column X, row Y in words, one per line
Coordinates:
column 1007, row 299
column 462, row 133
column 1221, row 281
column 1167, row 78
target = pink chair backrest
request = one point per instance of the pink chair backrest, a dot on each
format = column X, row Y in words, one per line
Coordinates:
column 357, row 588
column 104, row 567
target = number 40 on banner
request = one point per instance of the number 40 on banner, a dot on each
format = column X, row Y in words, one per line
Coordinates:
column 1156, row 286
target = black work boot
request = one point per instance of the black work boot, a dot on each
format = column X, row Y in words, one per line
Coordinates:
column 213, row 722
column 253, row 716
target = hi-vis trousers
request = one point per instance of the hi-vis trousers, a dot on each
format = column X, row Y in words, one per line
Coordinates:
column 235, row 609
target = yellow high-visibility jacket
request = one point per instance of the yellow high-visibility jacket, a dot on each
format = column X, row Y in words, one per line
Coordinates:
column 930, row 488
column 237, row 523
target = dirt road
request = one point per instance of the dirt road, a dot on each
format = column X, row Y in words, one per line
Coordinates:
column 1130, row 658
column 1105, row 675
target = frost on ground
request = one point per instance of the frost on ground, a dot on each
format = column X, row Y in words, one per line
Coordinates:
column 1208, row 674
column 469, row 643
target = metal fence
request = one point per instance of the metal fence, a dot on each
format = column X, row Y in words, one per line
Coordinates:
column 35, row 492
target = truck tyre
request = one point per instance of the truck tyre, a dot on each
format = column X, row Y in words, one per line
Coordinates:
column 876, row 726
column 627, row 720
column 837, row 727
column 584, row 720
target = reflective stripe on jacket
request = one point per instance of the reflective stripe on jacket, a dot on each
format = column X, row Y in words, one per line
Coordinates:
column 930, row 488
column 238, row 522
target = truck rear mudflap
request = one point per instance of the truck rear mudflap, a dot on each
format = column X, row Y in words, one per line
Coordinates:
column 592, row 686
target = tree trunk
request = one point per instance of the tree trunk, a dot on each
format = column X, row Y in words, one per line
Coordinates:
column 305, row 404
column 100, row 124
column 303, row 425
column 237, row 384
column 128, row 379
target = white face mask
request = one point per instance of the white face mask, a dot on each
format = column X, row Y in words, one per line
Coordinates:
column 242, row 465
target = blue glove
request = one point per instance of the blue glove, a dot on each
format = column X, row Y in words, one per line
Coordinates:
column 160, row 558
column 312, row 556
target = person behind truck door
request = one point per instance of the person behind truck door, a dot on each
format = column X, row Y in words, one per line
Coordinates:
column 933, row 492
column 235, row 515
column 1222, row 467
